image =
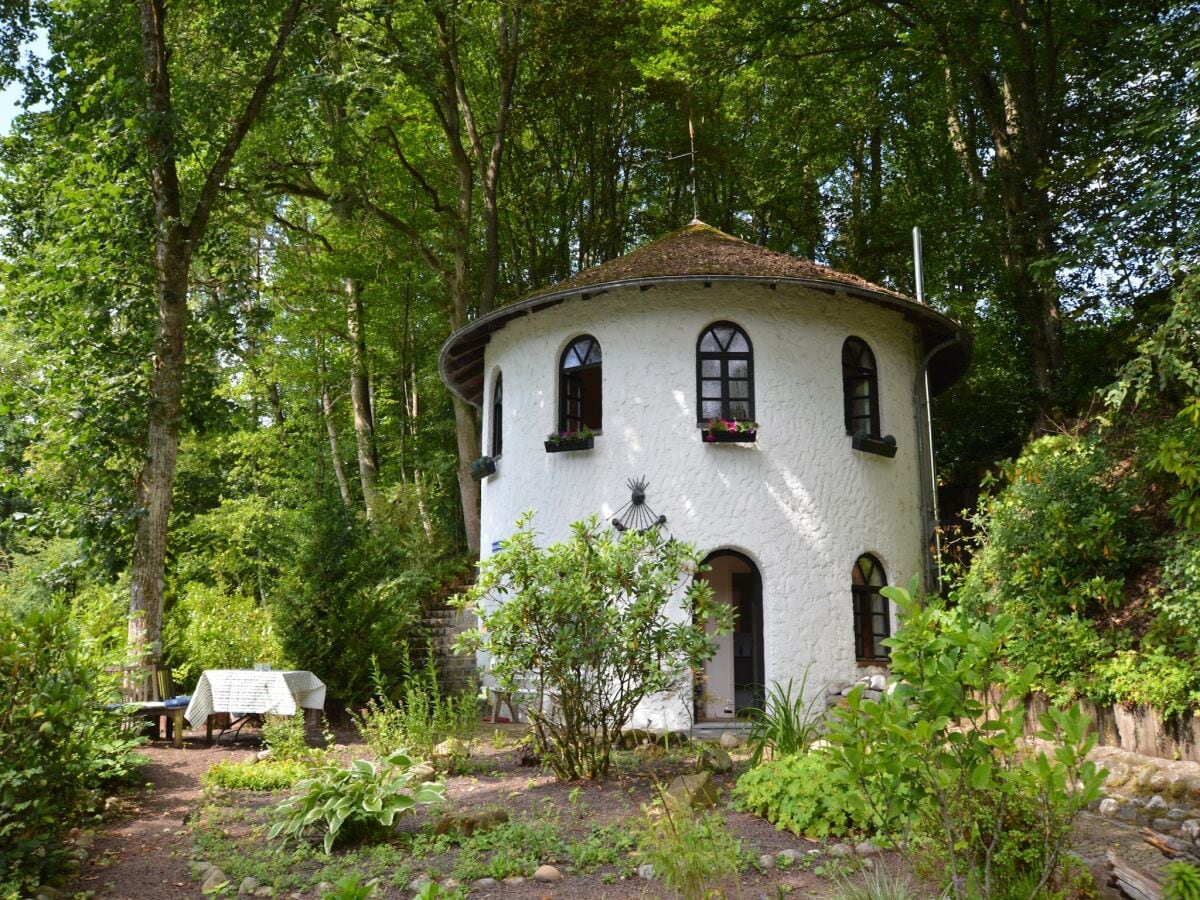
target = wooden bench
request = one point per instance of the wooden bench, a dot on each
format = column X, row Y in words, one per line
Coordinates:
column 147, row 688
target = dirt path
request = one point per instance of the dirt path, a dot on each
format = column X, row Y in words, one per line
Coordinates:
column 143, row 854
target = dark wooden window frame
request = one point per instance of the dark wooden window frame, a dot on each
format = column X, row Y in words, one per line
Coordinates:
column 724, row 357
column 859, row 368
column 872, row 612
column 497, row 423
column 571, row 391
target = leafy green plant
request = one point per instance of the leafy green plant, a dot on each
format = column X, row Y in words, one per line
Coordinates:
column 944, row 754
column 1183, row 882
column 694, row 854
column 590, row 625
column 786, row 724
column 284, row 736
column 349, row 887
column 267, row 775
column 803, row 793
column 197, row 635
column 359, row 802
column 422, row 717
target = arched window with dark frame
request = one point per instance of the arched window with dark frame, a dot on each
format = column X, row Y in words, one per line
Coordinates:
column 872, row 617
column 498, row 415
column 579, row 386
column 724, row 374
column 860, row 388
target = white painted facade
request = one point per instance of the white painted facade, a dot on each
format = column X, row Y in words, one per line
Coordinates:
column 800, row 502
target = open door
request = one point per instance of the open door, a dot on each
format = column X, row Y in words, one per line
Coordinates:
column 733, row 680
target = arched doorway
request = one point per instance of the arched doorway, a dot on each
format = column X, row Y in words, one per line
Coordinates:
column 733, row 680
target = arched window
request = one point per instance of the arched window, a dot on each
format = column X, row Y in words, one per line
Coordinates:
column 872, row 620
column 579, row 402
column 724, row 374
column 860, row 387
column 498, row 416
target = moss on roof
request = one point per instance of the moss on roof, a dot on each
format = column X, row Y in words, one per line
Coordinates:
column 700, row 249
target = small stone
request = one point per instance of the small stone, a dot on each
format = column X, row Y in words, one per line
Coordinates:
column 1191, row 829
column 1128, row 811
column 85, row 839
column 45, row 892
column 714, row 758
column 675, row 739
column 767, row 861
column 513, row 880
column 868, row 848
column 248, row 886
column 867, row 863
column 325, row 887
column 645, row 870
column 213, row 880
column 1156, row 803
column 693, row 791
column 547, row 874
column 265, row 891
column 1164, row 825
column 730, row 740
column 451, row 747
column 841, row 851
column 202, row 868
column 418, row 884
column 878, row 682
column 423, row 770
column 1109, row 807
column 790, row 854
column 484, row 882
column 871, row 694
column 1178, row 815
column 836, row 688
column 263, row 754
column 79, row 853
column 846, row 691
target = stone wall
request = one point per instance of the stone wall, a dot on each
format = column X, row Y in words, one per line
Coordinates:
column 1137, row 729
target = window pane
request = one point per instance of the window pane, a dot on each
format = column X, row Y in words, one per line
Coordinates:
column 710, row 390
column 710, row 368
column 739, row 368
column 739, row 389
column 593, row 353
column 739, row 410
column 724, row 333
column 710, row 409
column 571, row 360
column 708, row 343
column 738, row 343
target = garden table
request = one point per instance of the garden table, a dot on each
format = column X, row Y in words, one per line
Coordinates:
column 252, row 692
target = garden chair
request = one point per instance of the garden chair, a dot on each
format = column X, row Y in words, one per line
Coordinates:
column 148, row 691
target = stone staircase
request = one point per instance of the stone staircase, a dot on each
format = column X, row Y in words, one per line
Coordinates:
column 441, row 626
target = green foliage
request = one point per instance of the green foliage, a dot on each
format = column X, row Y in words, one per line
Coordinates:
column 197, row 635
column 359, row 802
column 943, row 753
column 58, row 745
column 1183, row 882
column 785, row 724
column 591, row 625
column 421, row 718
column 804, row 793
column 694, row 854
column 879, row 883
column 510, row 848
column 264, row 775
column 285, row 737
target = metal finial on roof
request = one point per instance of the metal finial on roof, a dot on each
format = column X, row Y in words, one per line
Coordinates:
column 636, row 514
column 692, row 171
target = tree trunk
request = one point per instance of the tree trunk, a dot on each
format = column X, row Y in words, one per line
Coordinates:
column 156, row 479
column 466, row 433
column 339, row 471
column 360, row 399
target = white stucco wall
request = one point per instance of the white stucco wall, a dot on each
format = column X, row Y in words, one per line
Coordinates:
column 801, row 503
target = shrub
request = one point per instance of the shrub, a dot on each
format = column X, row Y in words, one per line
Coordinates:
column 692, row 853
column 285, row 737
column 197, row 635
column 1183, row 882
column 58, row 746
column 594, row 624
column 785, row 724
column 421, row 718
column 803, row 793
column 944, row 753
column 359, row 802
column 267, row 775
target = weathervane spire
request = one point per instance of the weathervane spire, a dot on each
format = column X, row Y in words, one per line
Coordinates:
column 691, row 154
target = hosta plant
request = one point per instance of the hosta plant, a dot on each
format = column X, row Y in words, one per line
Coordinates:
column 358, row 803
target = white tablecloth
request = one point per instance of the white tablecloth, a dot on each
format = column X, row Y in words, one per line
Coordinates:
column 250, row 691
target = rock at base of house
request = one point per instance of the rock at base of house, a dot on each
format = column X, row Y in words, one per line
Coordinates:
column 714, row 758
column 730, row 740
column 645, row 870
column 213, row 879
column 693, row 791
column 547, row 874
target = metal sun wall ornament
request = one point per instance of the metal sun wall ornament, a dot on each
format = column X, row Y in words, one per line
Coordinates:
column 636, row 515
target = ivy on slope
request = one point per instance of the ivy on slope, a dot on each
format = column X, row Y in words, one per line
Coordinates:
column 1092, row 542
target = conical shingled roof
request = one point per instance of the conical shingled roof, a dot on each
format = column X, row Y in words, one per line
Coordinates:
column 700, row 249
column 701, row 253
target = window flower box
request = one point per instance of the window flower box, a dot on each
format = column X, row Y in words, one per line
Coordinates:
column 483, row 467
column 727, row 431
column 869, row 443
column 561, row 442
